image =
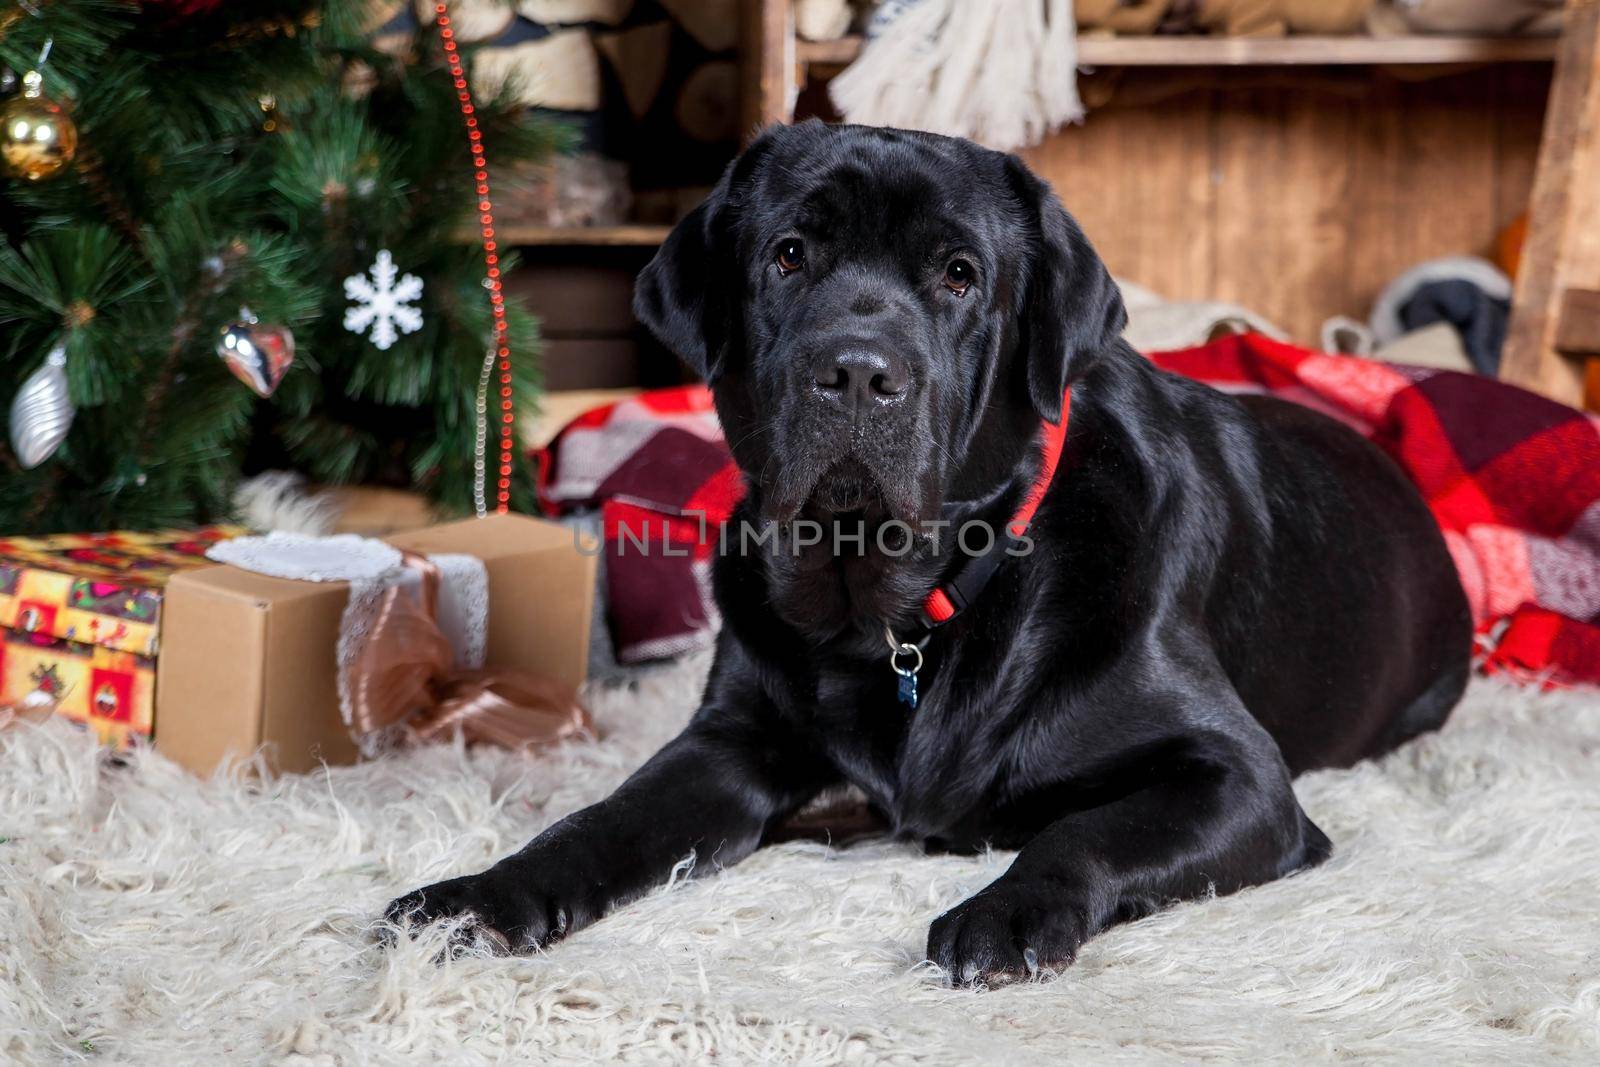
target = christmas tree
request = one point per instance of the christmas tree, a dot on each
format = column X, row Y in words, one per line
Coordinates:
column 188, row 186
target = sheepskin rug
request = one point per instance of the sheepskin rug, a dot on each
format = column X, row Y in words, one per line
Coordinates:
column 150, row 918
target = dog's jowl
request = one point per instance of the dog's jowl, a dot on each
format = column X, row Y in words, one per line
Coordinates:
column 1163, row 602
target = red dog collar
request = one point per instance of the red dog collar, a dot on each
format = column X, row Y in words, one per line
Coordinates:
column 956, row 595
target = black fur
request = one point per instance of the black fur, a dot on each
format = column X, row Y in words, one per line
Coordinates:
column 1221, row 593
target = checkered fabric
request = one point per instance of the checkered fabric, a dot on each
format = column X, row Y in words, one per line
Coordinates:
column 652, row 465
column 1513, row 479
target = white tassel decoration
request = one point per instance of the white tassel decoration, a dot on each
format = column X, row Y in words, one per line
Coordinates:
column 1001, row 72
column 1057, row 80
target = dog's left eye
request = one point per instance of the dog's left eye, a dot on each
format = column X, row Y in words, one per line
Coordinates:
column 958, row 276
column 791, row 256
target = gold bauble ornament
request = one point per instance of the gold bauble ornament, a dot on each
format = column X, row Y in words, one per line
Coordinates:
column 269, row 113
column 37, row 137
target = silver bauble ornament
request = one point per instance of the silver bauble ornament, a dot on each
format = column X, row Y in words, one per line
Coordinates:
column 258, row 354
column 42, row 411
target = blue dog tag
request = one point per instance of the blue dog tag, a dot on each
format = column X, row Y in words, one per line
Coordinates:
column 908, row 690
column 908, row 675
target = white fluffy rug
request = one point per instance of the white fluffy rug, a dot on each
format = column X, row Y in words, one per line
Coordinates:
column 148, row 918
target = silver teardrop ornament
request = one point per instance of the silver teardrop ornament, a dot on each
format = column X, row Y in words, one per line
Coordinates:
column 42, row 412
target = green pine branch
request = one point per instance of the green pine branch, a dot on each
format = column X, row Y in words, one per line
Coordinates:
column 182, row 208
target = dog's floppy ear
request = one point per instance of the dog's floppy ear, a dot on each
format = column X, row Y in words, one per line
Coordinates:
column 682, row 294
column 1071, row 309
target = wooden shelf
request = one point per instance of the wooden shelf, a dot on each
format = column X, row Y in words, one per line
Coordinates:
column 583, row 236
column 1197, row 51
column 839, row 53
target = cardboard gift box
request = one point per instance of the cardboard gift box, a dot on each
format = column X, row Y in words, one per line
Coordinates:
column 80, row 618
column 249, row 660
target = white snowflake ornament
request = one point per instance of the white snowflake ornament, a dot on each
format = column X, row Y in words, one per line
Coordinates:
column 383, row 303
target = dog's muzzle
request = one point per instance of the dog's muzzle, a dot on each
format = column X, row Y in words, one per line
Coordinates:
column 861, row 379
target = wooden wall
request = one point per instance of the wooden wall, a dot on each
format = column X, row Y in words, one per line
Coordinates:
column 1298, row 194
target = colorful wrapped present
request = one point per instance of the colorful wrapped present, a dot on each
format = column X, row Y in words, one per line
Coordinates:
column 80, row 618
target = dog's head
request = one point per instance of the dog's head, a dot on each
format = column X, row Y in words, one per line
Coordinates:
column 865, row 302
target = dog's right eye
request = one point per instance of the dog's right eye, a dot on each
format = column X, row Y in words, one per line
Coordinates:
column 791, row 256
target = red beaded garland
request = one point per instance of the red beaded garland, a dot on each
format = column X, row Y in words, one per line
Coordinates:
column 502, row 333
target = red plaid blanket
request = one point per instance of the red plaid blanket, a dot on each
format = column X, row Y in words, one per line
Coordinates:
column 1513, row 478
column 651, row 465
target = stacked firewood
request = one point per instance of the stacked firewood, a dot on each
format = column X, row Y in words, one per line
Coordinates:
column 651, row 88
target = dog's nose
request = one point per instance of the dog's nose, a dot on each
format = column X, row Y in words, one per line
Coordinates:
column 859, row 378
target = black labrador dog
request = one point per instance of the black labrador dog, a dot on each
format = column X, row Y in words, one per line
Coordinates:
column 1213, row 595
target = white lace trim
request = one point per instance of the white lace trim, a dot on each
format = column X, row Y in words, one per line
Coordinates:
column 370, row 567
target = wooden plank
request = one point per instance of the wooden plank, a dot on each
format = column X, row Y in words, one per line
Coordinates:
column 1380, row 242
column 1297, row 51
column 1138, row 177
column 840, row 53
column 1299, row 198
column 1199, row 51
column 1284, row 177
column 1424, row 184
column 1563, row 249
column 589, row 363
column 769, row 73
column 1578, row 325
column 1518, row 96
column 583, row 236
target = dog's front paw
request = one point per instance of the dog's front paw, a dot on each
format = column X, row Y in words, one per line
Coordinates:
column 504, row 906
column 1006, row 933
